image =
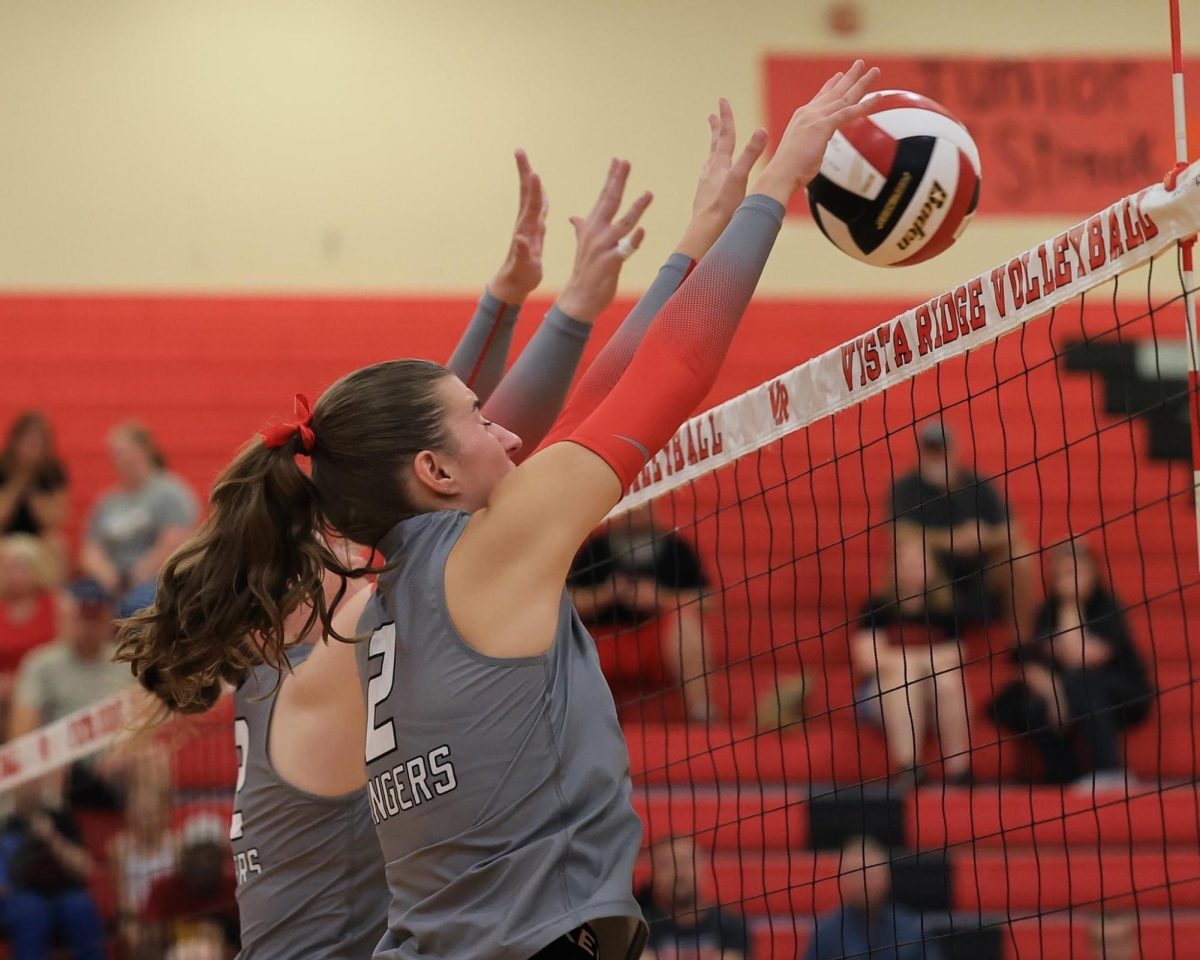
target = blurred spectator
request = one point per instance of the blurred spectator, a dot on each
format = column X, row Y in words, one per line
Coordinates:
column 29, row 603
column 869, row 923
column 189, row 902
column 1082, row 673
column 784, row 704
column 638, row 589
column 1114, row 936
column 33, row 484
column 205, row 942
column 907, row 660
column 683, row 926
column 70, row 673
column 135, row 526
column 145, row 850
column 46, row 871
column 963, row 527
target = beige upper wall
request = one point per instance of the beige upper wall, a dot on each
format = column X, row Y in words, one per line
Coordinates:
column 358, row 145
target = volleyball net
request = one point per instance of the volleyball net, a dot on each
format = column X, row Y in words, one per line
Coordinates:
column 947, row 574
column 902, row 632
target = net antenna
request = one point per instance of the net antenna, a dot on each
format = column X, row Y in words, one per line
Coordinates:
column 1186, row 248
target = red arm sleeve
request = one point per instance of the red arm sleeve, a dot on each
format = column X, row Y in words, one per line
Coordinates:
column 604, row 372
column 683, row 349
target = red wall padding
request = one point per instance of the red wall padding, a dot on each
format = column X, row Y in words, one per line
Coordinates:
column 206, row 372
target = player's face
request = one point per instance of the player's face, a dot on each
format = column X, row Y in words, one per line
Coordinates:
column 479, row 452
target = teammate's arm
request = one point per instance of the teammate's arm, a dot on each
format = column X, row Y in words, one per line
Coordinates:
column 323, row 694
column 481, row 354
column 531, row 395
column 505, row 576
column 718, row 195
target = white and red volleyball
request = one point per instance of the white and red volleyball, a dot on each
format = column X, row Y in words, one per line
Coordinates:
column 899, row 185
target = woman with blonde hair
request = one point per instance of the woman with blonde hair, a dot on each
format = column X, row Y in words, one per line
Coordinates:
column 29, row 610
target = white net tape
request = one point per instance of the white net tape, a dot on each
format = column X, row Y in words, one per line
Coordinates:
column 1119, row 238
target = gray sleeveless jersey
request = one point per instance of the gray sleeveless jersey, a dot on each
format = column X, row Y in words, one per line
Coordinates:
column 309, row 871
column 500, row 788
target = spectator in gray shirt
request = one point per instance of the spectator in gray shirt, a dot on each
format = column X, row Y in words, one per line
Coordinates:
column 137, row 524
column 72, row 672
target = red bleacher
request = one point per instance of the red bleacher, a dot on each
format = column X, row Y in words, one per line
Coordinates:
column 792, row 563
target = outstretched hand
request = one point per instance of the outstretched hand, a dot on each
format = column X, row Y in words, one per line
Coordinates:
column 723, row 181
column 521, row 271
column 598, row 260
column 802, row 146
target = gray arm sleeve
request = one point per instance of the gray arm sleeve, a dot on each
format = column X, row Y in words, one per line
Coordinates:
column 531, row 396
column 624, row 343
column 478, row 360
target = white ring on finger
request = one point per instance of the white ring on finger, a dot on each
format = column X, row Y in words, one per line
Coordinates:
column 625, row 248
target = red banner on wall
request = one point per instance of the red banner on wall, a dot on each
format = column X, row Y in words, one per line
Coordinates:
column 1055, row 135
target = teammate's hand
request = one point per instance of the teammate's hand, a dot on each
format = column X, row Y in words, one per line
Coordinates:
column 802, row 146
column 722, row 182
column 593, row 282
column 521, row 271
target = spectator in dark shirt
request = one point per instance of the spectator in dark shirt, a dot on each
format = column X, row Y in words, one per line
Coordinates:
column 137, row 524
column 639, row 588
column 198, row 896
column 869, row 923
column 683, row 924
column 909, row 668
column 46, row 871
column 963, row 526
column 1082, row 673
column 33, row 484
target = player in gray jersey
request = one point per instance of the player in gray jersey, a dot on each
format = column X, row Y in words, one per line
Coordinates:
column 497, row 773
column 292, row 845
column 309, row 871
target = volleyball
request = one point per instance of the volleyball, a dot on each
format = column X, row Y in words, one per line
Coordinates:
column 899, row 185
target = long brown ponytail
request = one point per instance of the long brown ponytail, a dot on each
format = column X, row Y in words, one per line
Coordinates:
column 262, row 553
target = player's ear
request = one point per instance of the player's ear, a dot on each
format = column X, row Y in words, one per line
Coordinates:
column 431, row 474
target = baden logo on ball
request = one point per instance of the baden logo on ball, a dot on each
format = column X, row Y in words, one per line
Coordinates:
column 899, row 185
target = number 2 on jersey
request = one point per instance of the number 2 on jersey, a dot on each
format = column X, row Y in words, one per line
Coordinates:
column 241, row 739
column 381, row 738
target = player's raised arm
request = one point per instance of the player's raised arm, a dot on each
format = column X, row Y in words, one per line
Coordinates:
column 531, row 395
column 721, row 189
column 506, row 600
column 481, row 354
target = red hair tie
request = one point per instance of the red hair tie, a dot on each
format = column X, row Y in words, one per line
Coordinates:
column 280, row 434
